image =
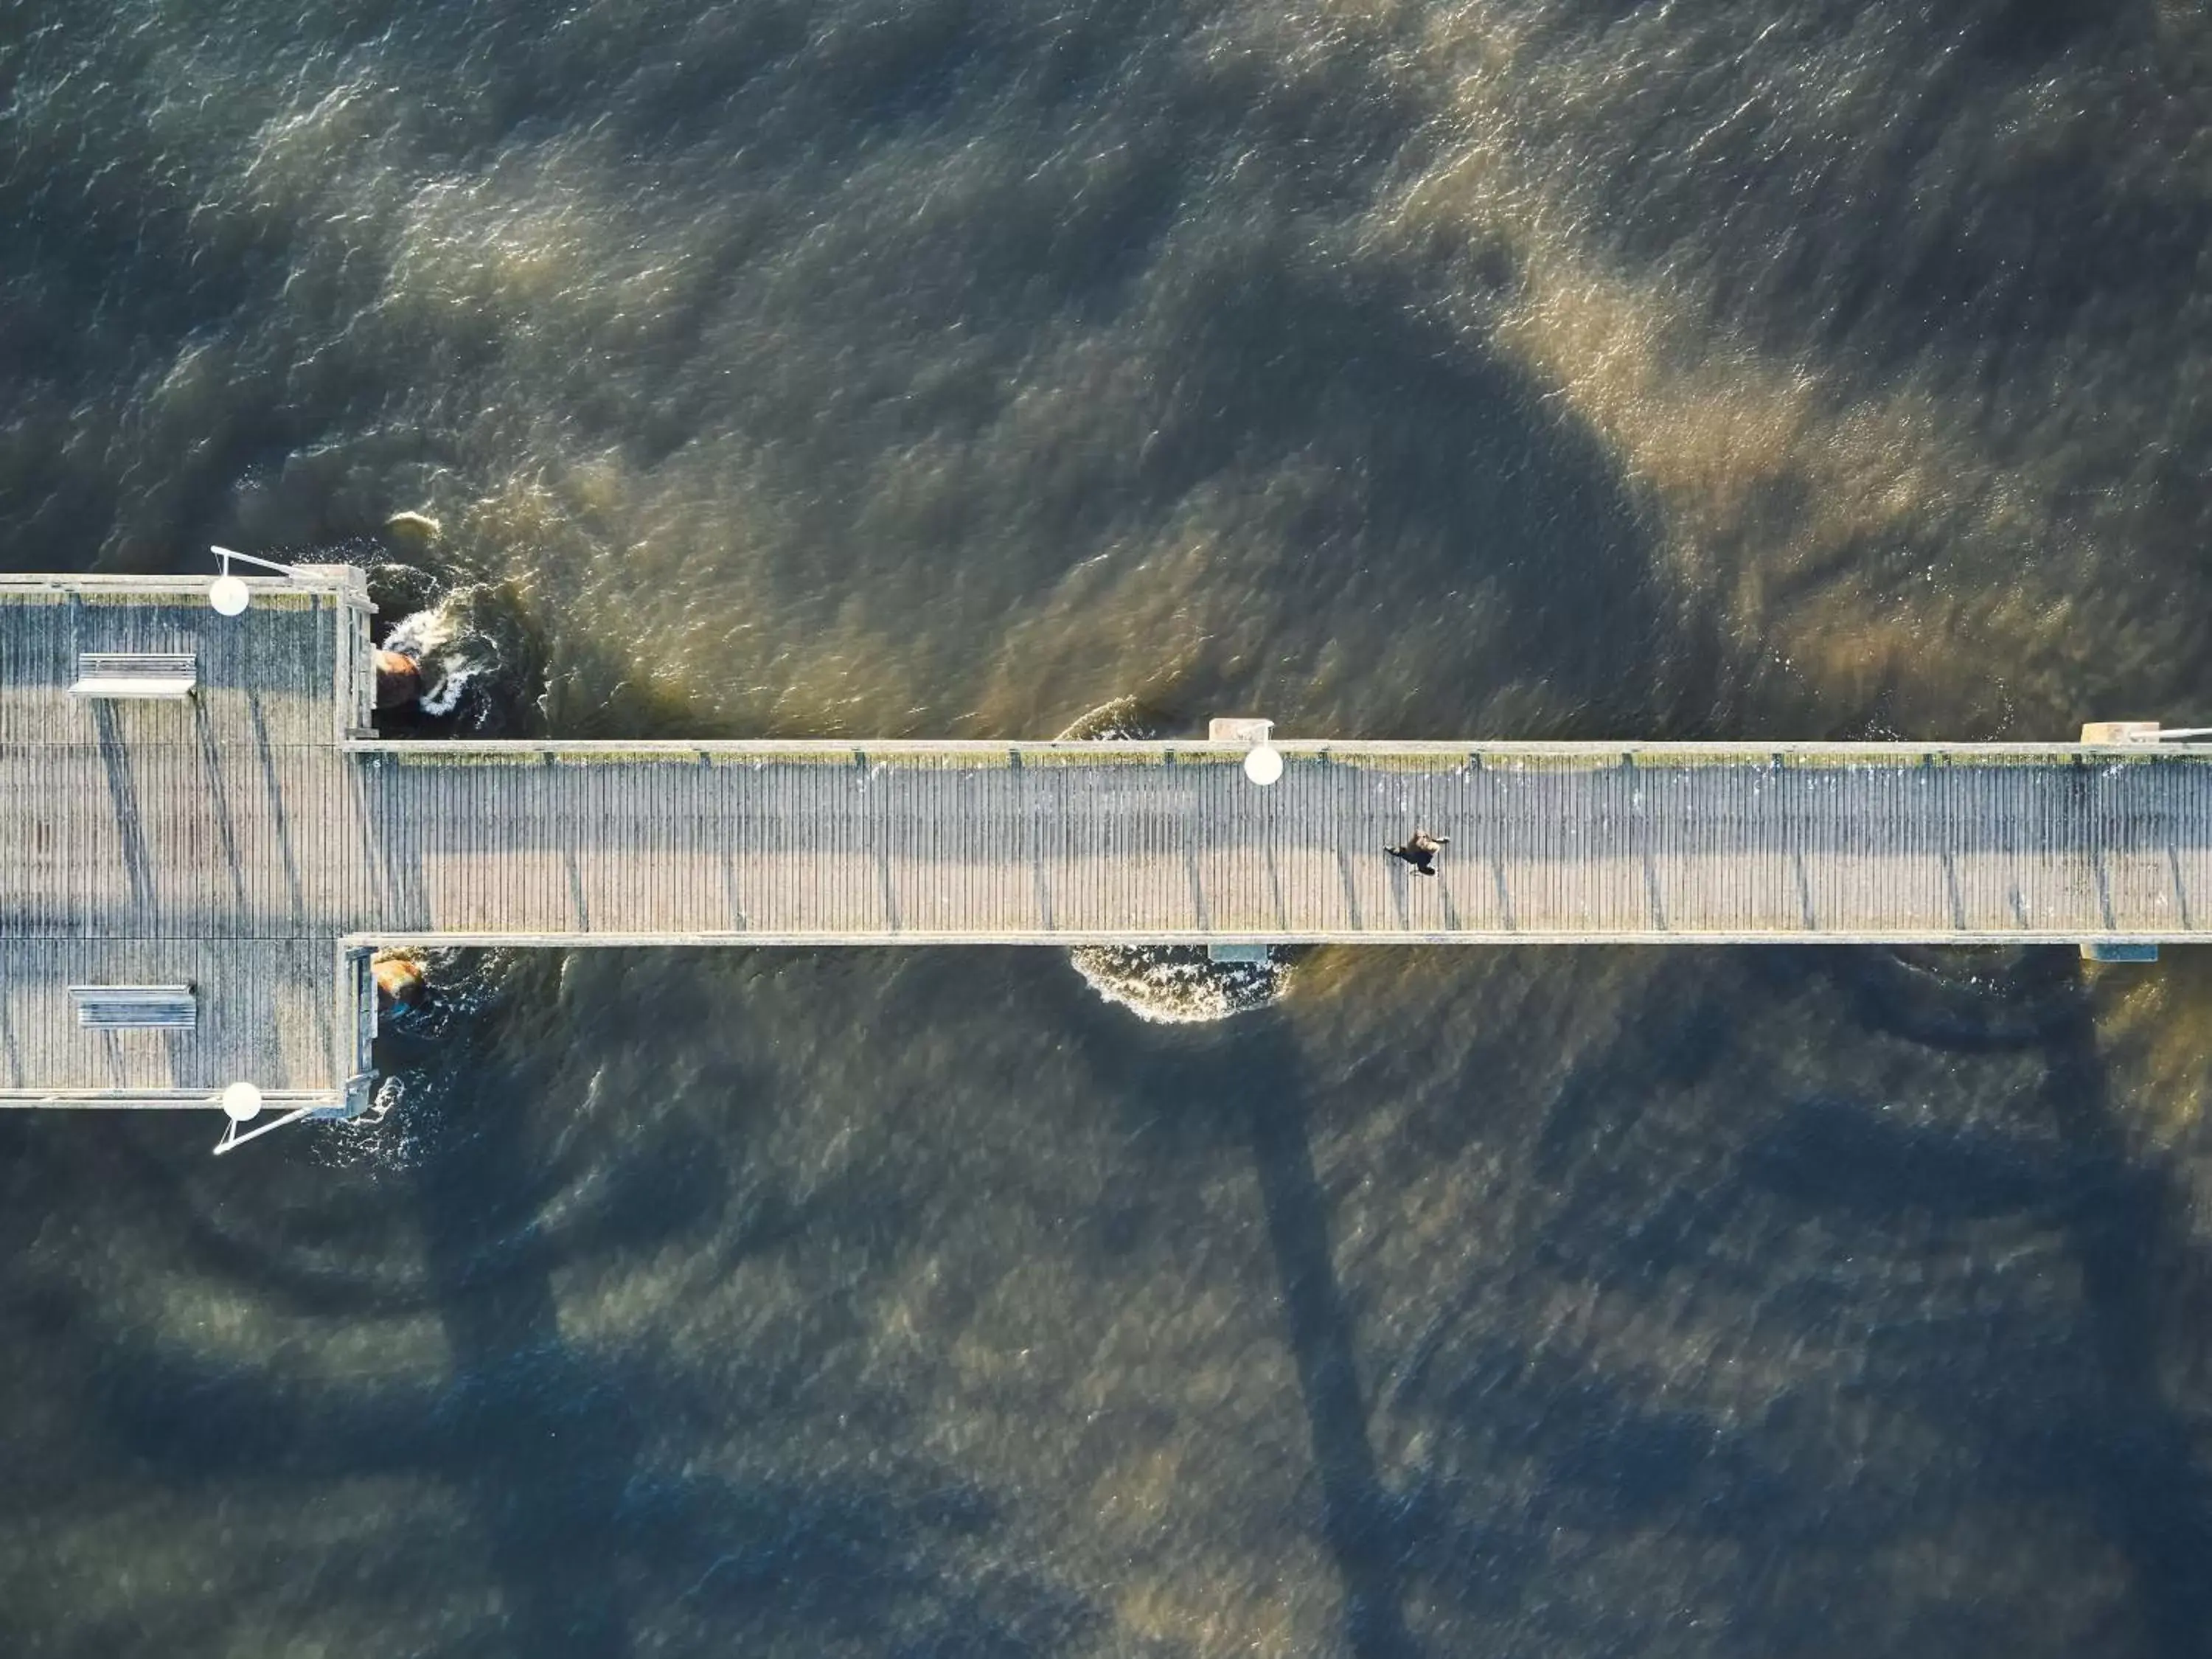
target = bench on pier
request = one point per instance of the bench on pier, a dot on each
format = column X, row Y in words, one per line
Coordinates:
column 133, row 1007
column 136, row 674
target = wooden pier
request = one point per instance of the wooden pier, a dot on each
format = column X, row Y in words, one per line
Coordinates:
column 194, row 805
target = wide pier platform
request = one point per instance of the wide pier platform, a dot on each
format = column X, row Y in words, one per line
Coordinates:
column 196, row 803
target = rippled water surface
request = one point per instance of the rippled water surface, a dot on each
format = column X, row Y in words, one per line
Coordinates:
column 1511, row 367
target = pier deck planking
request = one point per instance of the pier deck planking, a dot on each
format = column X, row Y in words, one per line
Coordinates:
column 251, row 841
column 561, row 844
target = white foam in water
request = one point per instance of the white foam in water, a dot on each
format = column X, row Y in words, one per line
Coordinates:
column 387, row 1136
column 453, row 679
column 400, row 1127
column 1167, row 984
column 1175, row 984
column 436, row 640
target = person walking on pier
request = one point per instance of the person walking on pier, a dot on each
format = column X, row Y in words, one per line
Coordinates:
column 1421, row 851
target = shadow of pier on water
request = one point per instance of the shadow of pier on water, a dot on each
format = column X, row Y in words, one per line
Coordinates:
column 2133, row 1459
column 1357, row 1515
column 1247, row 1084
column 541, row 1493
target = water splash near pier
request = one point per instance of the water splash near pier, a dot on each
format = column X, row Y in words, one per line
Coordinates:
column 1167, row 984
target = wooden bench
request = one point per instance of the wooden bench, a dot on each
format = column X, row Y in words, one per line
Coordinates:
column 136, row 674
column 128, row 1008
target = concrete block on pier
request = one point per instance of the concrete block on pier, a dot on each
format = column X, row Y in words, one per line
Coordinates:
column 1239, row 731
column 2127, row 732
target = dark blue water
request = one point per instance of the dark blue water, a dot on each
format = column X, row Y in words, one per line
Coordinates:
column 1513, row 367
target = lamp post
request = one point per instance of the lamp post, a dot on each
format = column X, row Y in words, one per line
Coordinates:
column 229, row 594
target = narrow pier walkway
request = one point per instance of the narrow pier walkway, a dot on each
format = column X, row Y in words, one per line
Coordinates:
column 243, row 843
column 1034, row 844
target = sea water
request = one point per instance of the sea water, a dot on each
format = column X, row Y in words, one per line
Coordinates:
column 1518, row 368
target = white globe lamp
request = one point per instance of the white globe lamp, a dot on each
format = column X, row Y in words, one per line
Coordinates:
column 241, row 1102
column 1263, row 764
column 229, row 595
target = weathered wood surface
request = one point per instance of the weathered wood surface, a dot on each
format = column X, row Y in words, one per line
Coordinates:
column 201, row 839
column 269, row 677
column 1051, row 842
column 276, row 1012
column 241, row 841
column 193, row 842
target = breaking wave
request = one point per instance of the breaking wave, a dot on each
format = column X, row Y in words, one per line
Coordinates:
column 421, row 1048
column 453, row 653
